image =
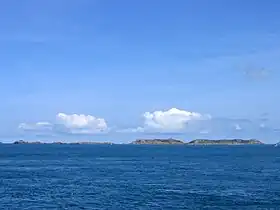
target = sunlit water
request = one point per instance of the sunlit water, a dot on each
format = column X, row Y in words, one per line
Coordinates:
column 139, row 177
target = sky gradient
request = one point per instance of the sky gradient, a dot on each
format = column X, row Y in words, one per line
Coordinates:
column 105, row 70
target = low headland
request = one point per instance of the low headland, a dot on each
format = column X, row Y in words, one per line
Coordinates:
column 169, row 141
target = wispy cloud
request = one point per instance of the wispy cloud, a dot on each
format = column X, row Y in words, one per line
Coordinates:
column 257, row 73
column 71, row 124
column 42, row 126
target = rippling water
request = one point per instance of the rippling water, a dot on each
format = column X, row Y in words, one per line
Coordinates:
column 139, row 177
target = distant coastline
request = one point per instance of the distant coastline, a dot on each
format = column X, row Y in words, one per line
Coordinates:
column 169, row 141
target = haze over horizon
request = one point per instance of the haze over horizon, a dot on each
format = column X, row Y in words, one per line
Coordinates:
column 119, row 70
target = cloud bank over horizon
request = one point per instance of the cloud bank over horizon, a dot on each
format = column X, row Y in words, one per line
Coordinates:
column 170, row 122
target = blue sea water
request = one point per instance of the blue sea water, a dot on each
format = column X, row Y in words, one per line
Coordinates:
column 139, row 177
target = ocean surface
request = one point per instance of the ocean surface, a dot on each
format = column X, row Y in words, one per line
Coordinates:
column 133, row 177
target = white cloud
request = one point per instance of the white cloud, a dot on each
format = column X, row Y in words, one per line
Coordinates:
column 85, row 124
column 172, row 120
column 74, row 124
column 237, row 127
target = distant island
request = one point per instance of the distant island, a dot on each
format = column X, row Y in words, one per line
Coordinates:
column 58, row 142
column 157, row 141
column 224, row 142
column 26, row 142
column 198, row 141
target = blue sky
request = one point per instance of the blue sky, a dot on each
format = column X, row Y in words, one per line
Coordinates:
column 117, row 60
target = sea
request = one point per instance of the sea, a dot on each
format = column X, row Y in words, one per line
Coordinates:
column 132, row 177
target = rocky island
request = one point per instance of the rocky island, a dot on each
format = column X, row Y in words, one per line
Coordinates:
column 59, row 142
column 157, row 141
column 26, row 142
column 224, row 142
column 198, row 142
